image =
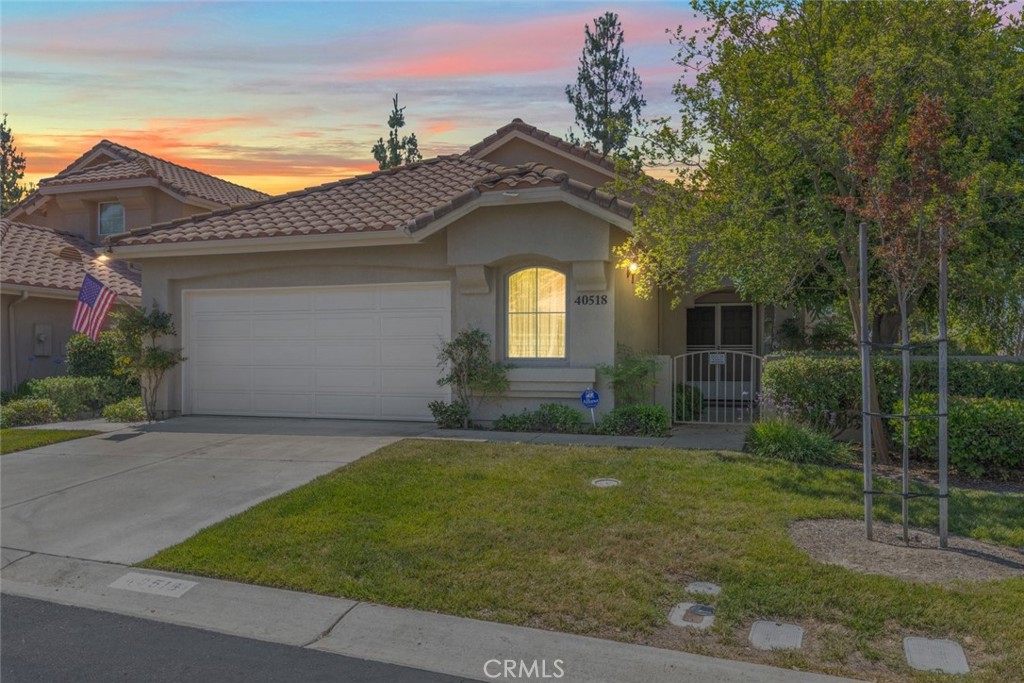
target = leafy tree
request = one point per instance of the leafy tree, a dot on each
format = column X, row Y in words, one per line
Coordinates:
column 396, row 151
column 12, row 169
column 767, row 195
column 139, row 353
column 607, row 93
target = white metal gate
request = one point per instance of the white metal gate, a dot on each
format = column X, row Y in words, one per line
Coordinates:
column 716, row 386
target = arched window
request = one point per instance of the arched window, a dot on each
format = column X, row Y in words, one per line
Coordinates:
column 536, row 313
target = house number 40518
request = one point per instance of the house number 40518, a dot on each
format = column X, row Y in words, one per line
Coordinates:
column 591, row 300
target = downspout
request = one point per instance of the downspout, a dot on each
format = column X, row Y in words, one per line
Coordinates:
column 12, row 340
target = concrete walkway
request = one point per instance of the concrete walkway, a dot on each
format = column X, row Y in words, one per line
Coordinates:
column 424, row 640
column 700, row 437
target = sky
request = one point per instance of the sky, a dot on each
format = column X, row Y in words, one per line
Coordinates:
column 279, row 96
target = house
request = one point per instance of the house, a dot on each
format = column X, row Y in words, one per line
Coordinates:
column 331, row 301
column 50, row 241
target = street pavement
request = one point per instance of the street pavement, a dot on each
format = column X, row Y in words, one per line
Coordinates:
column 48, row 643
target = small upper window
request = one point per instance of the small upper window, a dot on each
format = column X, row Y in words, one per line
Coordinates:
column 536, row 313
column 111, row 218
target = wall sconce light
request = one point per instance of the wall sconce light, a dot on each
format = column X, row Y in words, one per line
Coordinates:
column 631, row 270
column 102, row 258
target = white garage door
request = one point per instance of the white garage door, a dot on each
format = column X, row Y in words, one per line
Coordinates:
column 367, row 352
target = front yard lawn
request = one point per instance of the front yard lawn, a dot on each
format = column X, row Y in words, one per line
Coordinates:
column 21, row 439
column 516, row 534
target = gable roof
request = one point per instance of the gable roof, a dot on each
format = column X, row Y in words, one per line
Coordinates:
column 35, row 256
column 517, row 125
column 399, row 200
column 125, row 163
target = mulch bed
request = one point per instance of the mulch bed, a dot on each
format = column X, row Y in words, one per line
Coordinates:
column 842, row 542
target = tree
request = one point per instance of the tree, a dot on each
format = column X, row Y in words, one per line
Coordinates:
column 607, row 94
column 760, row 141
column 12, row 169
column 137, row 333
column 394, row 151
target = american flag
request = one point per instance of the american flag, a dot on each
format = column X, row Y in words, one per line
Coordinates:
column 94, row 302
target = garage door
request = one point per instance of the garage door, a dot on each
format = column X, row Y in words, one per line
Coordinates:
column 367, row 352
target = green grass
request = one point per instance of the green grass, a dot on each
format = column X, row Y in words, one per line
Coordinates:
column 21, row 439
column 516, row 534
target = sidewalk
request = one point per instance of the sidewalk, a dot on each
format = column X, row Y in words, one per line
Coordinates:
column 701, row 437
column 424, row 640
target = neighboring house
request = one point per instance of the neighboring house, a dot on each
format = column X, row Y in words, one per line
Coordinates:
column 331, row 301
column 51, row 238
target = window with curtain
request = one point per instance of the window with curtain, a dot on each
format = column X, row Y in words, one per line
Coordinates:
column 111, row 218
column 536, row 313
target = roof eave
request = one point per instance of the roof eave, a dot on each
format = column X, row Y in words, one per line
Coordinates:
column 135, row 252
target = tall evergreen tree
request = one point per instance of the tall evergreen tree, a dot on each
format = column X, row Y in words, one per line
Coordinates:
column 12, row 169
column 394, row 151
column 607, row 94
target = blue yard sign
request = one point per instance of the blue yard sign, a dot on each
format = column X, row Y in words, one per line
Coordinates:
column 590, row 400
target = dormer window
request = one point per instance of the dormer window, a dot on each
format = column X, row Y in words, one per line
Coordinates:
column 111, row 218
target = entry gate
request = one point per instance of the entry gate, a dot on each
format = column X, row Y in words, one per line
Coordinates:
column 718, row 386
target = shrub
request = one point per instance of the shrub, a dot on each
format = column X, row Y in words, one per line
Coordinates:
column 449, row 415
column 555, row 417
column 689, row 402
column 128, row 410
column 520, row 422
column 824, row 391
column 986, row 435
column 789, row 440
column 636, row 420
column 632, row 377
column 469, row 370
column 88, row 358
column 28, row 411
column 76, row 395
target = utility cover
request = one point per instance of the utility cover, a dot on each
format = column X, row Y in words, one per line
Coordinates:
column 604, row 482
column 692, row 615
column 153, row 584
column 929, row 654
column 703, row 588
column 771, row 635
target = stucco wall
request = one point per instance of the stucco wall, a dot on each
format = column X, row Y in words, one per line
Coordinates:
column 57, row 313
column 77, row 212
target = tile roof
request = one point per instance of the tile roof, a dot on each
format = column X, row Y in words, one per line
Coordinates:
column 130, row 163
column 404, row 198
column 35, row 256
column 518, row 125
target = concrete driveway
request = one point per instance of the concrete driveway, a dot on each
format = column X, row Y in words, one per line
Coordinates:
column 123, row 496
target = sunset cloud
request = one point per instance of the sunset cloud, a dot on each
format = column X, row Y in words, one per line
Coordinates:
column 278, row 95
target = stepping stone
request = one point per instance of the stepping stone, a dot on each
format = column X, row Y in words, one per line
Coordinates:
column 692, row 615
column 703, row 588
column 771, row 635
column 929, row 654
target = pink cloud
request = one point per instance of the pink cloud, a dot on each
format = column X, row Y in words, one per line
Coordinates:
column 550, row 43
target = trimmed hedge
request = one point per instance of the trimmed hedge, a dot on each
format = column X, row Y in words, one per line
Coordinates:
column 88, row 358
column 986, row 435
column 636, row 420
column 792, row 441
column 449, row 415
column 128, row 410
column 76, row 395
column 824, row 391
column 28, row 411
column 549, row 417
